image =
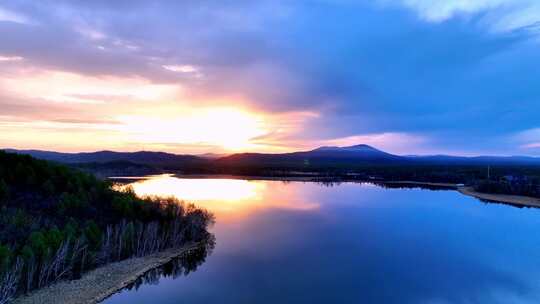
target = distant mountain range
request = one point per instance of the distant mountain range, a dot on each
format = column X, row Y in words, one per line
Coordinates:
column 141, row 157
column 323, row 156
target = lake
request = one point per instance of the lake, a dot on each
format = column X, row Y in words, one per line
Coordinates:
column 296, row 242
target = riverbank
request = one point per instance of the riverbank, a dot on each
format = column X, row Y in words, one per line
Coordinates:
column 518, row 200
column 99, row 284
column 502, row 198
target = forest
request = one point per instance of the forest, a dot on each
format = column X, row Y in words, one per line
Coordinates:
column 57, row 223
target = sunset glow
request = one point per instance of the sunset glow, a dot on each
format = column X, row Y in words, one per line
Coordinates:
column 227, row 128
column 271, row 77
column 228, row 151
column 227, row 198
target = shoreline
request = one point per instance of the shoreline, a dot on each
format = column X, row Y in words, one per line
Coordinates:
column 99, row 284
column 517, row 200
column 448, row 186
column 254, row 178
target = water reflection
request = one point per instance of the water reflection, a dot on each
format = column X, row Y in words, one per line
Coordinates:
column 358, row 243
column 227, row 198
column 177, row 267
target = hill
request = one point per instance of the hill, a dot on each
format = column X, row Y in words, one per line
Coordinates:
column 327, row 159
column 161, row 159
column 323, row 157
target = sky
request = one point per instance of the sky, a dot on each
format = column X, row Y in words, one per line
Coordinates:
column 406, row 76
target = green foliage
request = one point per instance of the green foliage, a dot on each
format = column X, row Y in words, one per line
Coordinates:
column 27, row 253
column 72, row 204
column 52, row 212
column 48, row 188
column 43, row 243
column 5, row 256
column 93, row 235
column 70, row 230
column 123, row 205
column 37, row 243
column 54, row 238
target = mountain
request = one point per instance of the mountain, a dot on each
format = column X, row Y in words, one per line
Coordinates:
column 355, row 148
column 140, row 157
column 322, row 157
column 212, row 155
column 357, row 151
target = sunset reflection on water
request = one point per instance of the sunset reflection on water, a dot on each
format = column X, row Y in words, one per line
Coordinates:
column 227, row 198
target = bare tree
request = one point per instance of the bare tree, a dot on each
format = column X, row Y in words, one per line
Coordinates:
column 9, row 282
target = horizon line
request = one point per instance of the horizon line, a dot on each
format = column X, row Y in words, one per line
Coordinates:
column 274, row 153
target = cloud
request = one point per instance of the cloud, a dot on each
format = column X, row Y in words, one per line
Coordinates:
column 534, row 145
column 180, row 68
column 10, row 58
column 10, row 16
column 362, row 68
column 500, row 15
column 527, row 140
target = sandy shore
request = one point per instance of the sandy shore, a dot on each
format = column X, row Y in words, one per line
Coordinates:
column 502, row 198
column 99, row 284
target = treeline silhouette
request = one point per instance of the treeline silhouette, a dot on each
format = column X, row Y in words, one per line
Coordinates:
column 499, row 179
column 56, row 223
column 527, row 187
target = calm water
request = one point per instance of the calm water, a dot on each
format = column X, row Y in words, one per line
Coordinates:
column 351, row 243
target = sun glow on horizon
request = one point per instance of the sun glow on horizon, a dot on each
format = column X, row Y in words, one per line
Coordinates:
column 128, row 112
column 228, row 128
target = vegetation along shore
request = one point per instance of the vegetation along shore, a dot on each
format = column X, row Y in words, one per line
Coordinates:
column 57, row 223
column 101, row 283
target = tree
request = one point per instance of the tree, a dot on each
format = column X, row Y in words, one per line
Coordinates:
column 93, row 234
column 48, row 187
column 4, row 191
column 66, row 222
column 5, row 255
